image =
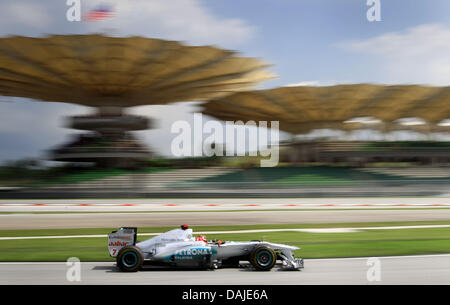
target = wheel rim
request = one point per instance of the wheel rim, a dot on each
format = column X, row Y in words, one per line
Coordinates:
column 264, row 258
column 129, row 259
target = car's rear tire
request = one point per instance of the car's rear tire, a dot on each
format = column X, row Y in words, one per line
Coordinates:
column 263, row 258
column 129, row 259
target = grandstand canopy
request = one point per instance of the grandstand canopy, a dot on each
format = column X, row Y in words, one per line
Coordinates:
column 97, row 70
column 301, row 109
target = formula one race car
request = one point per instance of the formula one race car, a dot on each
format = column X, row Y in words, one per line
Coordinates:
column 178, row 248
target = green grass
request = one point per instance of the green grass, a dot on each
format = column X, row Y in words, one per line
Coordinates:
column 97, row 231
column 86, row 249
column 313, row 245
column 367, row 243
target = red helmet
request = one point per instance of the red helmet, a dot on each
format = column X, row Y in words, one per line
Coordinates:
column 201, row 238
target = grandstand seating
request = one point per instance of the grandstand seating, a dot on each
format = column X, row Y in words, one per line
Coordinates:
column 160, row 179
column 412, row 172
column 315, row 176
column 357, row 152
column 256, row 178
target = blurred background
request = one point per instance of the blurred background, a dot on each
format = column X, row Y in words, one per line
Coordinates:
column 90, row 91
column 363, row 106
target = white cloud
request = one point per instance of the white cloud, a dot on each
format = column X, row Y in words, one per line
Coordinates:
column 185, row 20
column 26, row 13
column 159, row 138
column 316, row 83
column 174, row 19
column 418, row 54
column 29, row 128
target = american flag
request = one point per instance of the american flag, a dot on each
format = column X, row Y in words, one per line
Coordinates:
column 100, row 13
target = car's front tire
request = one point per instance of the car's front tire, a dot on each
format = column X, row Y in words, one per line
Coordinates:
column 129, row 259
column 263, row 258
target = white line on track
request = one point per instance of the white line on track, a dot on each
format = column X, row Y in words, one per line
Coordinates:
column 307, row 230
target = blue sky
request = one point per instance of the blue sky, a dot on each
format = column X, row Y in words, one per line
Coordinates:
column 302, row 37
column 318, row 42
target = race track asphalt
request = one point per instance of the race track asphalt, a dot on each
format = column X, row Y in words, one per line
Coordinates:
column 112, row 220
column 431, row 269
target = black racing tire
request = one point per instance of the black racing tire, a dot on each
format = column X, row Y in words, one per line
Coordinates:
column 263, row 258
column 130, row 259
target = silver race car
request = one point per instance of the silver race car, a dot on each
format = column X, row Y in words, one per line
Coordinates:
column 178, row 248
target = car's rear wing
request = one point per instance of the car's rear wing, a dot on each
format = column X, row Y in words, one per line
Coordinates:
column 125, row 236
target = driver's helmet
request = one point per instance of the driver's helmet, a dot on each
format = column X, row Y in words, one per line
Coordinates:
column 201, row 238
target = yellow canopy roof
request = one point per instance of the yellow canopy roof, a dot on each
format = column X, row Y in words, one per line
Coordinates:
column 97, row 70
column 302, row 109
